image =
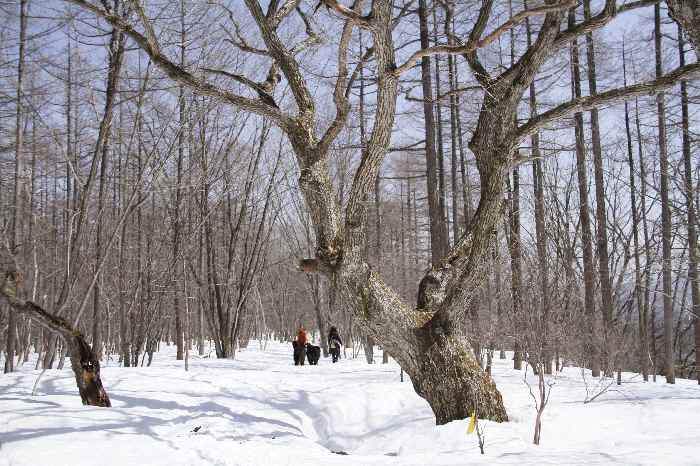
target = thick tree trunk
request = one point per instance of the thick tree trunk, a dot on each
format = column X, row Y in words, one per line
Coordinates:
column 86, row 368
column 443, row 371
column 423, row 343
column 468, row 389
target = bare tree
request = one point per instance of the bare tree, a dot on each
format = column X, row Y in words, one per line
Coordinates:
column 601, row 215
column 438, row 232
column 584, row 214
column 665, row 209
column 691, row 208
column 643, row 324
column 17, row 227
column 116, row 55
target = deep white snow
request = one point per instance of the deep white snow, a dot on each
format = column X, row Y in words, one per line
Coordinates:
column 261, row 410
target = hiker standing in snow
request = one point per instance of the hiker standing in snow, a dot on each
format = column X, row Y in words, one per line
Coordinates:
column 300, row 347
column 334, row 343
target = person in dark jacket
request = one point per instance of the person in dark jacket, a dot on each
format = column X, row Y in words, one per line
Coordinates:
column 334, row 343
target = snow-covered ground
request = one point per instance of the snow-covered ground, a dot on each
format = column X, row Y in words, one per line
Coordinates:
column 261, row 410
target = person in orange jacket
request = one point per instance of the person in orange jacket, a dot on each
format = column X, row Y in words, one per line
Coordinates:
column 300, row 347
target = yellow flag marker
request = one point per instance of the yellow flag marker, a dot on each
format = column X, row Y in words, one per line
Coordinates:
column 472, row 423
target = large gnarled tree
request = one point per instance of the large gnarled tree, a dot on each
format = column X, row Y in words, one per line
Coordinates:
column 423, row 339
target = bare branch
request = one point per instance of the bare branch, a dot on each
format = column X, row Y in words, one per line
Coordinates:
column 442, row 96
column 272, row 8
column 287, row 64
column 239, row 41
column 283, row 12
column 480, row 72
column 356, row 72
column 609, row 97
column 257, row 87
column 147, row 26
column 9, row 283
column 340, row 98
column 179, row 74
column 347, row 13
column 312, row 37
column 598, row 21
column 473, row 45
column 378, row 143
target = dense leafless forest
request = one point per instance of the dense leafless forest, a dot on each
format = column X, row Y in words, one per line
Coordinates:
column 446, row 179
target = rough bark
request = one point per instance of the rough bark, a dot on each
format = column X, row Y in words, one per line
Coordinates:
column 441, row 368
column 687, row 14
